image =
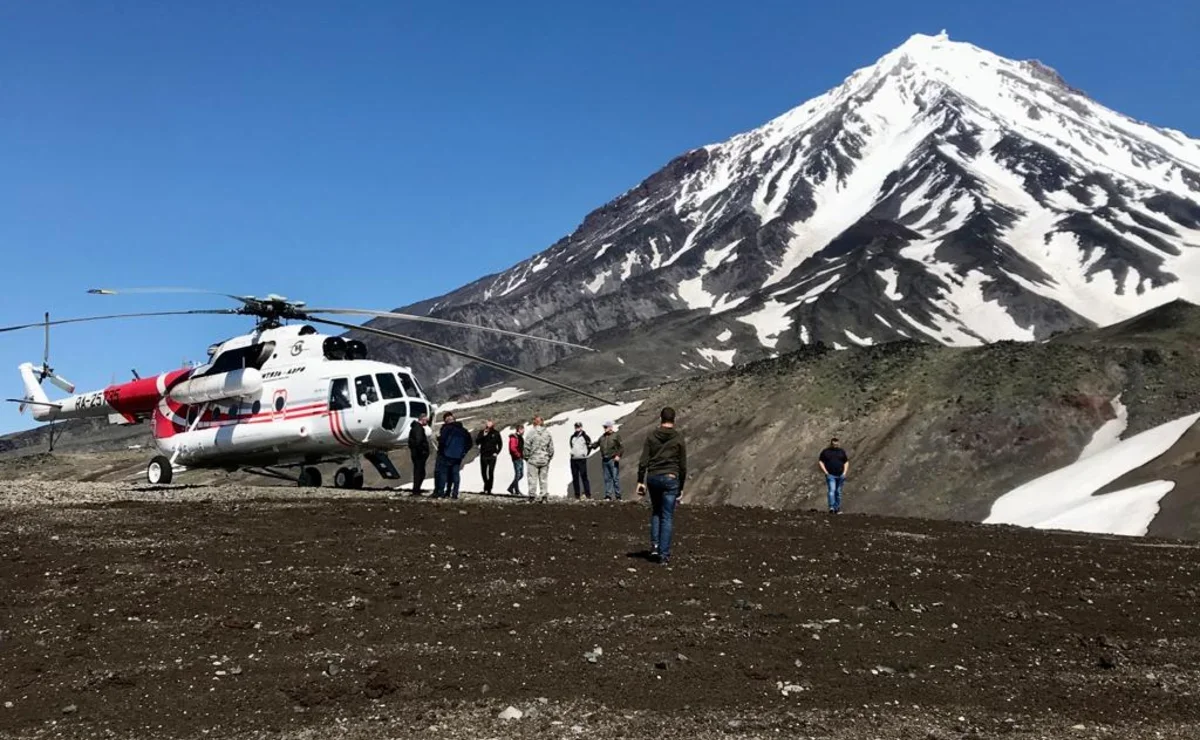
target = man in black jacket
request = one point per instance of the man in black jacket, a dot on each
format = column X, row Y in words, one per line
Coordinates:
column 489, row 443
column 663, row 467
column 418, row 449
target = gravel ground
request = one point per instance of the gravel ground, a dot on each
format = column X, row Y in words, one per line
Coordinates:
column 222, row 611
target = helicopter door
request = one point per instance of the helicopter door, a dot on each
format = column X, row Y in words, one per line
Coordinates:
column 340, row 406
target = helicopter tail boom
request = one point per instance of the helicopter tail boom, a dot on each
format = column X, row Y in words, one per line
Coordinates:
column 39, row 404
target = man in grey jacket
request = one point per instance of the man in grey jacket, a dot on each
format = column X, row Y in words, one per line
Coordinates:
column 539, row 451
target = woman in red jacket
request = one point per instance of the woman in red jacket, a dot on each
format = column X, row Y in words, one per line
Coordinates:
column 516, row 449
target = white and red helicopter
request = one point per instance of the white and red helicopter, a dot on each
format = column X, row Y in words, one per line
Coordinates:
column 283, row 396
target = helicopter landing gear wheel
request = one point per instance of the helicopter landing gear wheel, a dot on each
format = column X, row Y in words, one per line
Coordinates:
column 309, row 478
column 348, row 478
column 159, row 471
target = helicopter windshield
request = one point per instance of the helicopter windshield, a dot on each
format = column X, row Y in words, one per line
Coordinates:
column 388, row 386
column 410, row 386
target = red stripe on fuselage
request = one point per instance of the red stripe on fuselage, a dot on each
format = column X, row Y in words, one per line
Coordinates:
column 343, row 435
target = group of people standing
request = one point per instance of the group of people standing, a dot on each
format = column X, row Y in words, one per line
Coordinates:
column 531, row 453
column 662, row 468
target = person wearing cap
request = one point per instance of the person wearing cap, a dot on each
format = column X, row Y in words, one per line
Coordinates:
column 581, row 448
column 610, row 448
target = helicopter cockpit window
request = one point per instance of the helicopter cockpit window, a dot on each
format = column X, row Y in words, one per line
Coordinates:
column 410, row 386
column 364, row 390
column 339, row 395
column 388, row 387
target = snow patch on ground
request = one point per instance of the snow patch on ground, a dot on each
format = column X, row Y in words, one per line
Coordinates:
column 891, row 279
column 725, row 336
column 499, row 396
column 860, row 341
column 718, row 355
column 595, row 284
column 631, row 259
column 772, row 320
column 692, row 291
column 514, row 282
column 453, row 372
column 1063, row 499
column 561, row 427
column 1109, row 433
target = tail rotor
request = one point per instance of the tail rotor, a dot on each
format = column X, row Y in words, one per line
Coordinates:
column 47, row 372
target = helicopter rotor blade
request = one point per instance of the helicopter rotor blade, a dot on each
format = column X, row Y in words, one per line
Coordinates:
column 64, row 384
column 156, row 291
column 59, row 322
column 467, row 355
column 443, row 322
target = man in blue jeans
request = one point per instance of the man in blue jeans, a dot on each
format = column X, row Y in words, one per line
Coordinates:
column 663, row 468
column 610, row 447
column 835, row 463
column 454, row 442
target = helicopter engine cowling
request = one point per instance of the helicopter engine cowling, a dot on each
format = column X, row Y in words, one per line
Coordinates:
column 233, row 384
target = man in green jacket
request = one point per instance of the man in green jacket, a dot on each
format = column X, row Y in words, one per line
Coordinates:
column 663, row 468
column 610, row 448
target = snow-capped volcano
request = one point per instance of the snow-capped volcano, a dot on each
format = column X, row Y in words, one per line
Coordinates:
column 943, row 193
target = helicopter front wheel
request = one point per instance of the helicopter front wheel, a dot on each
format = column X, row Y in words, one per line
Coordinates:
column 159, row 471
column 348, row 478
column 310, row 478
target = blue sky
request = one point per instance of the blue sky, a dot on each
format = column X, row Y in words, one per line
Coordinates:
column 373, row 154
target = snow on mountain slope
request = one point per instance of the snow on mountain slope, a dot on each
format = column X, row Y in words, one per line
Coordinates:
column 1064, row 498
column 943, row 193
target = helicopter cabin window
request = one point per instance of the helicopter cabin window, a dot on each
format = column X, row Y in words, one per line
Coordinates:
column 364, row 390
column 410, row 386
column 416, row 408
column 388, row 387
column 339, row 394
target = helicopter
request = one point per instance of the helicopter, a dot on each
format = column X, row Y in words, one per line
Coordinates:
column 282, row 397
